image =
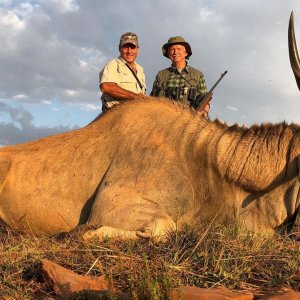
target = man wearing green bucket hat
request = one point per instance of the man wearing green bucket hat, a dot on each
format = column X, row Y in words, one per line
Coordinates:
column 180, row 82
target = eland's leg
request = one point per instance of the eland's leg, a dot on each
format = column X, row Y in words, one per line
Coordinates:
column 157, row 228
column 114, row 215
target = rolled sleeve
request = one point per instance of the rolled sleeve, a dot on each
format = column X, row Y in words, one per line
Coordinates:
column 109, row 73
column 117, row 72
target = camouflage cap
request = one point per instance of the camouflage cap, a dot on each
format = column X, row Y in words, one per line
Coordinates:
column 129, row 38
column 176, row 40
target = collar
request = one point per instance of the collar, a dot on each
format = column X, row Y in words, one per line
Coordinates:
column 124, row 61
column 185, row 69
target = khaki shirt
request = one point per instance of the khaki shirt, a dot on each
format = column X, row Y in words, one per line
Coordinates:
column 117, row 72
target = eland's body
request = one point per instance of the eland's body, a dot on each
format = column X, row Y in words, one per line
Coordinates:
column 147, row 166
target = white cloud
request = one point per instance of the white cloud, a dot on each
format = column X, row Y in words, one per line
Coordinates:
column 61, row 6
column 5, row 2
column 71, row 93
column 10, row 19
column 92, row 57
column 67, row 5
column 24, row 10
column 206, row 14
column 20, row 97
column 46, row 102
column 232, row 108
column 83, row 63
column 90, row 107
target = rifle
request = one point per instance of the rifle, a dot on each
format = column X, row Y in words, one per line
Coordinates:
column 201, row 101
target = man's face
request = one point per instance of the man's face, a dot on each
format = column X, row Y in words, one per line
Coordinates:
column 177, row 53
column 129, row 52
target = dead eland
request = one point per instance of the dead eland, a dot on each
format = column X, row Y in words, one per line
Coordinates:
column 148, row 166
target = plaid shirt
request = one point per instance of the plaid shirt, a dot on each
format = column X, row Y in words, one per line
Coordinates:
column 179, row 86
column 177, row 79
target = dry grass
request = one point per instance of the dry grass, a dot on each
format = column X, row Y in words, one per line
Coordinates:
column 147, row 270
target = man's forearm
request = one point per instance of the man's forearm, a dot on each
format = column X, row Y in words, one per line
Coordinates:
column 115, row 91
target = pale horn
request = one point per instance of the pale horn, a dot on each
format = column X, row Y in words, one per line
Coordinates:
column 293, row 51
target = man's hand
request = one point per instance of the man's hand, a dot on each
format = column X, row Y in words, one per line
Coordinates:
column 115, row 91
column 204, row 106
column 140, row 96
column 204, row 112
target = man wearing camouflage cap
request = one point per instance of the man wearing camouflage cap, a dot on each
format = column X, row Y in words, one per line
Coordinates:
column 180, row 82
column 122, row 78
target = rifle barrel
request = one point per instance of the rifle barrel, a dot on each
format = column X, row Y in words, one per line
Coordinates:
column 213, row 87
column 205, row 99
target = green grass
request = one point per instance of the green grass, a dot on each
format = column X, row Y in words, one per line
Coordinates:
column 148, row 270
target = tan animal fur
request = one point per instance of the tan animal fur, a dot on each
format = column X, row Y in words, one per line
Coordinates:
column 148, row 166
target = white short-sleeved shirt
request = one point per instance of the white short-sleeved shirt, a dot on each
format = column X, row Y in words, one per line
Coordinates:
column 116, row 71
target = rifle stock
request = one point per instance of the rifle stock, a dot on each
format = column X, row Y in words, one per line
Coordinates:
column 207, row 97
column 204, row 101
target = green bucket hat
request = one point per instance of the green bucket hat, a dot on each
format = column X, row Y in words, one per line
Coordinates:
column 176, row 40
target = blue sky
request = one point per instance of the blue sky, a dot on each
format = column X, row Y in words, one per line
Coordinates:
column 52, row 51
